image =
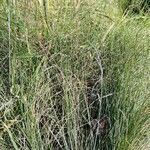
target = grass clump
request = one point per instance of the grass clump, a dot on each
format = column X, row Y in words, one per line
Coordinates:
column 79, row 74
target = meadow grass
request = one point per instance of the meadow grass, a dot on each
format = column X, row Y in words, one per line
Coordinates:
column 134, row 6
column 67, row 63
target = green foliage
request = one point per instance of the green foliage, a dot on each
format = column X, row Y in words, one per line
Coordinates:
column 72, row 64
column 135, row 6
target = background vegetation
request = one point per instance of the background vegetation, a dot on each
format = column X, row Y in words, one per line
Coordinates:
column 67, row 64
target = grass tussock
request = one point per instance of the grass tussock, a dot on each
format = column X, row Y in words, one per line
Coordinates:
column 74, row 75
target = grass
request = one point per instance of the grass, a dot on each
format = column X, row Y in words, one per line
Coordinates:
column 66, row 64
column 134, row 6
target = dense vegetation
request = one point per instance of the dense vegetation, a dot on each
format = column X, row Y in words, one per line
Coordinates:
column 135, row 6
column 74, row 75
